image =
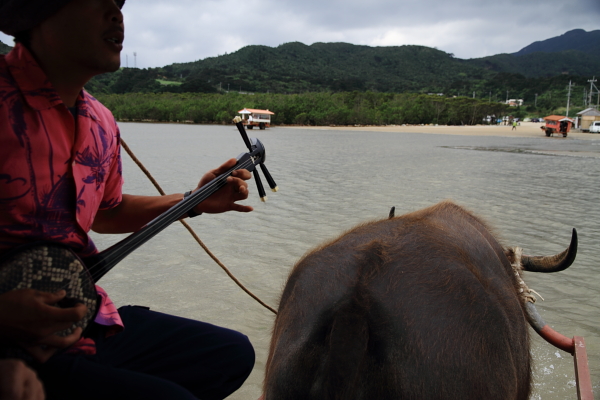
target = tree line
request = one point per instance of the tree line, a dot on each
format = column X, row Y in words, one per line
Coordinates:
column 323, row 108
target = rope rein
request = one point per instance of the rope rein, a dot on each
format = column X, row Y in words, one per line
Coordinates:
column 192, row 232
column 514, row 256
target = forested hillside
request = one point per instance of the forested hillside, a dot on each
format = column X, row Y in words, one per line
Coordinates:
column 542, row 64
column 296, row 67
column 338, row 67
column 577, row 39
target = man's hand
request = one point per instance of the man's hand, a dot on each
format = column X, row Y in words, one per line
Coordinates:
column 225, row 198
column 18, row 382
column 28, row 318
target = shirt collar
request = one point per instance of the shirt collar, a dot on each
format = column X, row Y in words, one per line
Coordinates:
column 35, row 86
column 31, row 79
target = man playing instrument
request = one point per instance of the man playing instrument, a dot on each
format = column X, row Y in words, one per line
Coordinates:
column 60, row 176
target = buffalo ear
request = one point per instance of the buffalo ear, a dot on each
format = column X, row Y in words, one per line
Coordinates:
column 392, row 212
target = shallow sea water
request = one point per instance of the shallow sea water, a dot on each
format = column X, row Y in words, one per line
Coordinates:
column 532, row 191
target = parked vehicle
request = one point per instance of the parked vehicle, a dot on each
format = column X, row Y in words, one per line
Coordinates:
column 595, row 127
column 252, row 117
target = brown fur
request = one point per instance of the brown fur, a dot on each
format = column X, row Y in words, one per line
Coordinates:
column 421, row 306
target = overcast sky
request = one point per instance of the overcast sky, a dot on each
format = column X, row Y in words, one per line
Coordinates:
column 163, row 32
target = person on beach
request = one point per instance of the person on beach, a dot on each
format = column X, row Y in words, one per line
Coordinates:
column 514, row 125
column 60, row 176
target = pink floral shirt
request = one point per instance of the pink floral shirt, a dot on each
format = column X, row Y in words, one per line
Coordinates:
column 55, row 174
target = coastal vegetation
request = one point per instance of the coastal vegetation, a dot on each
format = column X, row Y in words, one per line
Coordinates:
column 324, row 108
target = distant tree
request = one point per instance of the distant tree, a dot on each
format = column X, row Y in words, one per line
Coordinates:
column 197, row 85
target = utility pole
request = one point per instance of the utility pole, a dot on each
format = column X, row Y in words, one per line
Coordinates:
column 507, row 97
column 126, row 61
column 473, row 94
column 536, row 100
column 134, row 59
column 592, row 86
column 568, row 99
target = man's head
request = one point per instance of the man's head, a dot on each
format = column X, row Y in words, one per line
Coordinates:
column 17, row 16
column 80, row 38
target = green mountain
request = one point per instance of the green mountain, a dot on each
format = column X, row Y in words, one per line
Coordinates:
column 296, row 67
column 542, row 64
column 4, row 48
column 577, row 39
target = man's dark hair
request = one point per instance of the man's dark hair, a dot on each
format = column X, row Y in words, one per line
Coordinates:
column 23, row 37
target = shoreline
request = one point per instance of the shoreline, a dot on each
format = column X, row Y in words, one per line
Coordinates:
column 525, row 130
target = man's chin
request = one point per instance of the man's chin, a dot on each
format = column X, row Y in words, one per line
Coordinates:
column 108, row 67
column 116, row 68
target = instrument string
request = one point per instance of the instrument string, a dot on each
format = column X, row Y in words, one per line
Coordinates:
column 194, row 235
column 110, row 259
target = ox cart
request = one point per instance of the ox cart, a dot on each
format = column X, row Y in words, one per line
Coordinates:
column 252, row 117
column 557, row 124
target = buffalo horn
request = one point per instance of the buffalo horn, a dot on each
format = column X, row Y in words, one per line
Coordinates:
column 554, row 263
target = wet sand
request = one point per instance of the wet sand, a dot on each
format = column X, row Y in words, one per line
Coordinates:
column 525, row 130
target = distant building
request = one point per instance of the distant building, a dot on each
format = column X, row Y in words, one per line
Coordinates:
column 588, row 116
column 514, row 102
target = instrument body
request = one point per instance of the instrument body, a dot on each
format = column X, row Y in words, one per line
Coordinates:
column 50, row 267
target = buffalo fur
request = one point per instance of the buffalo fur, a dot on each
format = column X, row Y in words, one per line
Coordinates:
column 420, row 306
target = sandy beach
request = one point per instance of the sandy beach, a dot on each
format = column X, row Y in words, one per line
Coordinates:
column 525, row 130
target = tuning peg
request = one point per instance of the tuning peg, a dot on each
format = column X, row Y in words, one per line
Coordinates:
column 238, row 122
column 259, row 185
column 270, row 179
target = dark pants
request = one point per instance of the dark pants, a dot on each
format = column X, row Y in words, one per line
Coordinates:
column 157, row 356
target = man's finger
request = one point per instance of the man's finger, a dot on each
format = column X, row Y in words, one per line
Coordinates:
column 70, row 314
column 41, row 353
column 241, row 208
column 242, row 174
column 33, row 390
column 51, row 298
column 61, row 341
column 227, row 165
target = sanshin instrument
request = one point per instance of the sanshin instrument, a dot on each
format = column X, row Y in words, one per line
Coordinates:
column 50, row 267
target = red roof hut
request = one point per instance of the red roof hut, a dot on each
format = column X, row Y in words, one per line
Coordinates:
column 558, row 124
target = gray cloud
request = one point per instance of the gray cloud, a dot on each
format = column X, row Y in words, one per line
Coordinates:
column 162, row 32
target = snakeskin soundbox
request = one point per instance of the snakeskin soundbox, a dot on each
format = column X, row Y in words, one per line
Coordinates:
column 50, row 267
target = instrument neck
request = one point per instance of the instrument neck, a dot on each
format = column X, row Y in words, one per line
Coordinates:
column 103, row 262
